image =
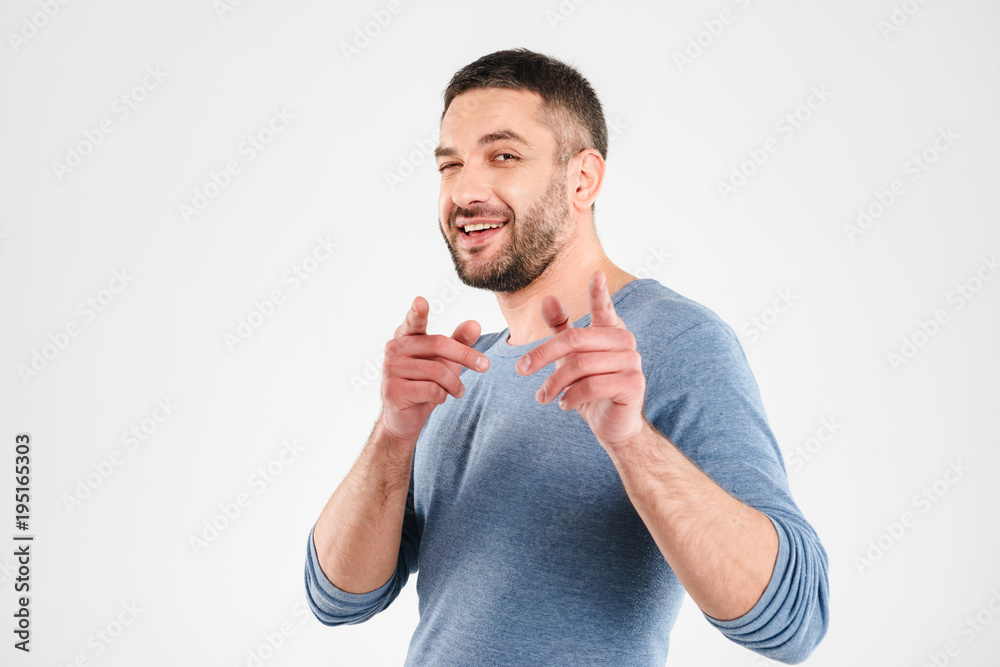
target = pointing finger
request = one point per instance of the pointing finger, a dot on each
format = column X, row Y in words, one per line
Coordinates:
column 467, row 333
column 586, row 339
column 554, row 314
column 438, row 347
column 602, row 311
column 416, row 319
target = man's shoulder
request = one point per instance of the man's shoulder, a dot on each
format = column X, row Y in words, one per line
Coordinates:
column 658, row 314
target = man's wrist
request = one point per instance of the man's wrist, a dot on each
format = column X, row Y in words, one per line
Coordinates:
column 394, row 455
column 645, row 437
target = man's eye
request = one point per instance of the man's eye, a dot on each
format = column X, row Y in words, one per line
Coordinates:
column 446, row 165
column 508, row 156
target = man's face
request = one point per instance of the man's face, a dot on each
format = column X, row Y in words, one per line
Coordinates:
column 497, row 164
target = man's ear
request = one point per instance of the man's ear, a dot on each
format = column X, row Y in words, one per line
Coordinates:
column 587, row 173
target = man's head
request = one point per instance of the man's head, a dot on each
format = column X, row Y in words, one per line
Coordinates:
column 523, row 143
column 570, row 108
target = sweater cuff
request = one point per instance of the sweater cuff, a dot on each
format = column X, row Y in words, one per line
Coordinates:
column 761, row 614
column 317, row 579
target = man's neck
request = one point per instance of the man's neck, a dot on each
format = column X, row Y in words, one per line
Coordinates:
column 567, row 279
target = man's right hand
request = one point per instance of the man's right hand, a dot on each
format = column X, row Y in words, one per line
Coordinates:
column 421, row 370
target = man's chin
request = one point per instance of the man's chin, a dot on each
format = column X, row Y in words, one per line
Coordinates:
column 498, row 284
column 477, row 280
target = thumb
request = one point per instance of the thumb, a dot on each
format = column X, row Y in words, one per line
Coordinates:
column 467, row 332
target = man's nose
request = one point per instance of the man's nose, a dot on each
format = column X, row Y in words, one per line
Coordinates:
column 471, row 187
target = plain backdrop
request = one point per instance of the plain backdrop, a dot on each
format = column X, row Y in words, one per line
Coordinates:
column 226, row 208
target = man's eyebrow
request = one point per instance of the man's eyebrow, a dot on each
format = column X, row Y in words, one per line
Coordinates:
column 486, row 139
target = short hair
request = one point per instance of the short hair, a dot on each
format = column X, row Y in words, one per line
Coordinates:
column 570, row 107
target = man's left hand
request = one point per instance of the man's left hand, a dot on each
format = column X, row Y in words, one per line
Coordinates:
column 597, row 366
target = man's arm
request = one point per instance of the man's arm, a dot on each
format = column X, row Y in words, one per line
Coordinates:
column 722, row 551
column 764, row 587
column 361, row 549
column 358, row 533
column 703, row 405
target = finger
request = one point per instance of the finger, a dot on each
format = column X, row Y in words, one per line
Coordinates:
column 414, row 369
column 576, row 339
column 554, row 314
column 616, row 387
column 466, row 333
column 413, row 393
column 602, row 311
column 585, row 364
column 416, row 319
column 437, row 346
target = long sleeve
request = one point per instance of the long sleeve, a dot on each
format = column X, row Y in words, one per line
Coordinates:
column 333, row 606
column 702, row 395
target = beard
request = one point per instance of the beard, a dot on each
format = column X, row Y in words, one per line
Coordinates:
column 533, row 242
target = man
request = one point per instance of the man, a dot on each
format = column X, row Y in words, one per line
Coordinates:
column 552, row 530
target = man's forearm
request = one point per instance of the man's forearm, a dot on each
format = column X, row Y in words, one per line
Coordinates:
column 722, row 551
column 357, row 535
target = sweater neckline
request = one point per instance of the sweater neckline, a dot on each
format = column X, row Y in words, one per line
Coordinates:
column 504, row 349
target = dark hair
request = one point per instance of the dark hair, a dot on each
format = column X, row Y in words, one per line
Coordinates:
column 570, row 107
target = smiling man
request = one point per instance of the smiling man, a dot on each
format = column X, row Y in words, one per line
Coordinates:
column 560, row 484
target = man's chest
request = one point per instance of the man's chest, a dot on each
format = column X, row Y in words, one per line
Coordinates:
column 498, row 447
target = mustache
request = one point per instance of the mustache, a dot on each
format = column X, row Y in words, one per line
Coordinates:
column 482, row 211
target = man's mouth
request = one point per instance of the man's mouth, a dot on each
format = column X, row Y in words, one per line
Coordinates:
column 472, row 229
column 480, row 233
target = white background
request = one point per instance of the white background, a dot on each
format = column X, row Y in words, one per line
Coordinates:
column 683, row 127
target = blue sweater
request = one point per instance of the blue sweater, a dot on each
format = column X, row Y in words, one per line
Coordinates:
column 528, row 548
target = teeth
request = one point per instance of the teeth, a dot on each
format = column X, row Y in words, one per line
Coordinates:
column 476, row 228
